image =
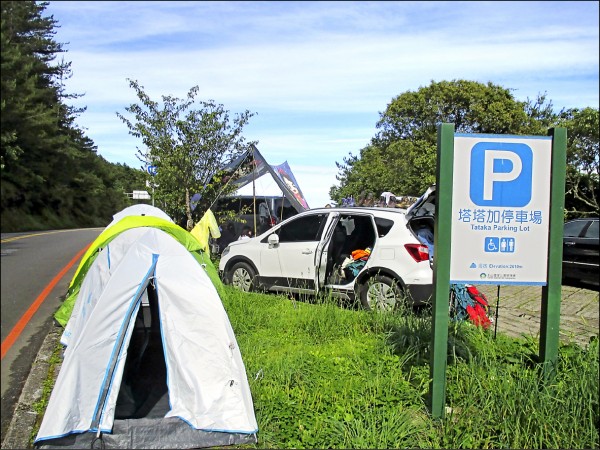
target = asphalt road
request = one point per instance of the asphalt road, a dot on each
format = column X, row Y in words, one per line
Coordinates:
column 30, row 262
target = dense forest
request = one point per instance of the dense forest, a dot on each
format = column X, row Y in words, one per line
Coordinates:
column 52, row 175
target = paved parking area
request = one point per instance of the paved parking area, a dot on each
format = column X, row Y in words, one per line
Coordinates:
column 519, row 311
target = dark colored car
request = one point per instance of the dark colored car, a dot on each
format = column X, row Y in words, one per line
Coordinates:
column 580, row 250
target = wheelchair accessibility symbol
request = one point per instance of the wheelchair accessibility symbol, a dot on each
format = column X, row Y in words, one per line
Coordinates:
column 492, row 244
column 496, row 244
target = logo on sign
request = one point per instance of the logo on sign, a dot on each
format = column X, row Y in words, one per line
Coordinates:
column 501, row 174
column 152, row 170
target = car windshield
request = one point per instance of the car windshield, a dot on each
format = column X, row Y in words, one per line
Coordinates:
column 592, row 231
column 573, row 229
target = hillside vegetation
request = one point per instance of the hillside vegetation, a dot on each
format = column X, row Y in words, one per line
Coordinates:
column 52, row 176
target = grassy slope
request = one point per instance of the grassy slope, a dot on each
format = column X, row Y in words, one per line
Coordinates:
column 326, row 377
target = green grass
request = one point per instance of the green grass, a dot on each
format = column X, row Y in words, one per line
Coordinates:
column 323, row 376
column 326, row 377
column 40, row 406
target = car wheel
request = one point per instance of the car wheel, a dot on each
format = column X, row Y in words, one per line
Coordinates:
column 241, row 276
column 381, row 293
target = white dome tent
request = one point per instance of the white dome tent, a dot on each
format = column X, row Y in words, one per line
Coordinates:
column 165, row 375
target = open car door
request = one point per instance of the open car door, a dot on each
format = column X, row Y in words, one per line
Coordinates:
column 321, row 256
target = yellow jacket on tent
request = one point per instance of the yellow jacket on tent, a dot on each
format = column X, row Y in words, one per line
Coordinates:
column 207, row 224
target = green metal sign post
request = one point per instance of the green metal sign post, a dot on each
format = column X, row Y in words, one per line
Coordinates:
column 551, row 292
column 441, row 269
column 494, row 199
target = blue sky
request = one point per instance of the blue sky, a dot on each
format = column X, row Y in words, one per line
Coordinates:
column 317, row 74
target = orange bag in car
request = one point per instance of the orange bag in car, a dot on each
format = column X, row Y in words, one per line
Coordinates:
column 360, row 254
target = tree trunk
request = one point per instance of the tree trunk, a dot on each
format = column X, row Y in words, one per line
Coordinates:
column 188, row 211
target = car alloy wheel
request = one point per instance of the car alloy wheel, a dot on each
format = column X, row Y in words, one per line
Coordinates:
column 380, row 293
column 242, row 277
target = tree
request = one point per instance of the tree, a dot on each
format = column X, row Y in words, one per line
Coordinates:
column 188, row 141
column 402, row 155
column 583, row 177
column 35, row 125
column 377, row 169
column 52, row 176
column 30, row 92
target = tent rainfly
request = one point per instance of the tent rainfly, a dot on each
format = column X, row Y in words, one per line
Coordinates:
column 140, row 209
column 115, row 229
column 151, row 358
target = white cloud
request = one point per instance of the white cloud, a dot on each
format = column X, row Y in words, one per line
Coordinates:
column 354, row 73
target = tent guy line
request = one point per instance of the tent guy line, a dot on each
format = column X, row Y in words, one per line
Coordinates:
column 14, row 334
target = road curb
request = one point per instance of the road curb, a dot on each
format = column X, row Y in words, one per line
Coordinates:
column 24, row 416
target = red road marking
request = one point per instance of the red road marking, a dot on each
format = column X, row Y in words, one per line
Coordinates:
column 24, row 320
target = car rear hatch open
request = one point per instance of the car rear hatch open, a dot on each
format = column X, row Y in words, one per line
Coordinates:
column 420, row 219
column 424, row 206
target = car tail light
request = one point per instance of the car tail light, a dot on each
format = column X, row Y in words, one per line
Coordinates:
column 419, row 252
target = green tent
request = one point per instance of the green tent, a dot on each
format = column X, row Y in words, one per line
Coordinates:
column 184, row 237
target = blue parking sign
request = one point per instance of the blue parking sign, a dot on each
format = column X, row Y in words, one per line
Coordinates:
column 494, row 225
column 501, row 174
column 500, row 209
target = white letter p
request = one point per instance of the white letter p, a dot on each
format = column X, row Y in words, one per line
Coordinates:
column 488, row 170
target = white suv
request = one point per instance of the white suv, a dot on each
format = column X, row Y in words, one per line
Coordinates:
column 312, row 252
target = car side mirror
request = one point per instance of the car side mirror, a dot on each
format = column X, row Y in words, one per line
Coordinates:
column 273, row 240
